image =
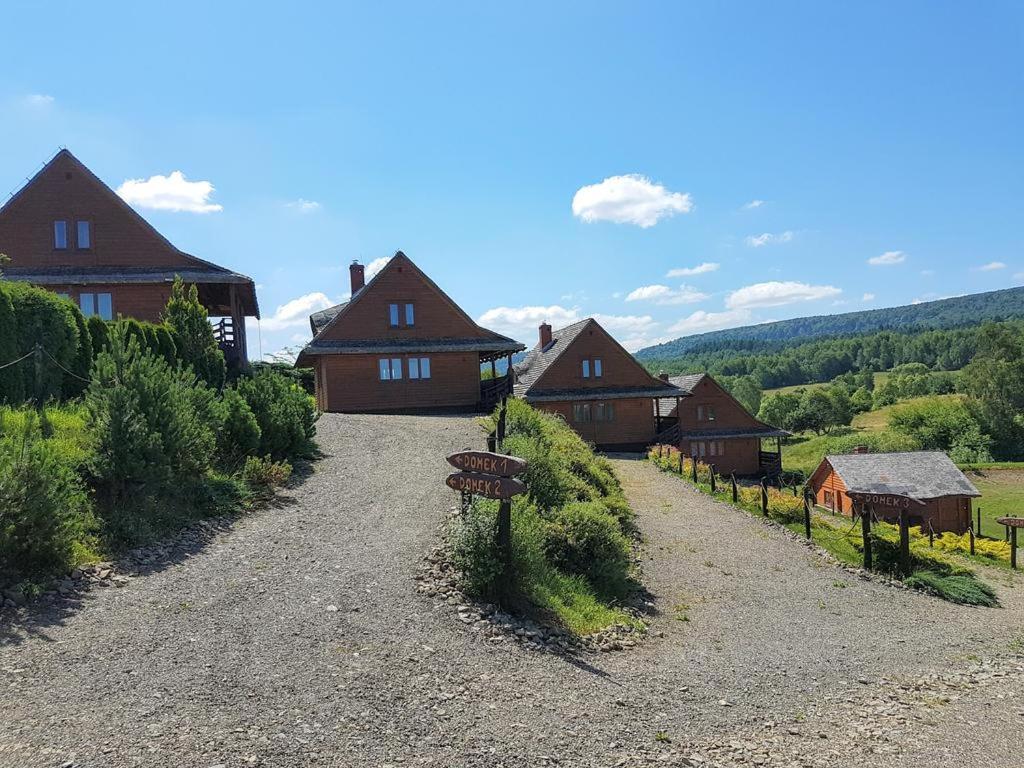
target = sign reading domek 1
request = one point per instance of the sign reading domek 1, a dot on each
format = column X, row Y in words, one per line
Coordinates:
column 487, row 463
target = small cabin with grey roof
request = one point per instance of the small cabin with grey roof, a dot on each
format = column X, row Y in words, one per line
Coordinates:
column 926, row 484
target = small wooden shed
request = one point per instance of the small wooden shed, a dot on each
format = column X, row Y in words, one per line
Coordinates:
column 927, row 484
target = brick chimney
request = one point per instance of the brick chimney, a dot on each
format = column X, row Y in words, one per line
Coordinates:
column 357, row 272
column 663, row 376
column 545, row 335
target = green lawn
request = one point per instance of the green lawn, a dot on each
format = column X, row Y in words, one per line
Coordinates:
column 1002, row 495
column 880, row 377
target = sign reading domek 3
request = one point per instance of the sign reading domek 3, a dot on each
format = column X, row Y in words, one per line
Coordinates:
column 881, row 499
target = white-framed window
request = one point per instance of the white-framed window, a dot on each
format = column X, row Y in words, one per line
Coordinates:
column 419, row 367
column 393, row 315
column 60, row 235
column 105, row 306
column 410, row 314
column 592, row 368
column 597, row 367
column 83, row 235
column 87, row 302
column 390, row 368
column 586, row 369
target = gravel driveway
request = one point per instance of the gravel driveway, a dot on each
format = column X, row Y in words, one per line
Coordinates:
column 296, row 638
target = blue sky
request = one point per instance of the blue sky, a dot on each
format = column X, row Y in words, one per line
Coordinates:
column 545, row 162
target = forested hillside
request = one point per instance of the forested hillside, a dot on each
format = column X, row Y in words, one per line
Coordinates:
column 945, row 313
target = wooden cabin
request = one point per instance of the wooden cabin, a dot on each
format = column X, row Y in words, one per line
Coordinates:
column 714, row 427
column 401, row 344
column 70, row 233
column 927, row 484
column 585, row 376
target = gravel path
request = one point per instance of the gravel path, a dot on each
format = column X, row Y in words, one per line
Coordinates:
column 296, row 638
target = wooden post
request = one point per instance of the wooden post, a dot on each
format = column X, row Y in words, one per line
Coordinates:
column 499, row 436
column 504, row 542
column 735, row 489
column 693, row 466
column 794, row 490
column 713, row 487
column 764, row 498
column 1006, row 533
column 979, row 521
column 492, row 444
column 494, row 370
column 905, row 543
column 38, row 370
column 971, row 533
column 865, row 531
column 1013, row 547
column 931, row 534
column 807, row 514
column 680, row 462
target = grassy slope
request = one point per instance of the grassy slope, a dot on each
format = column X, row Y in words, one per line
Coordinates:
column 880, row 377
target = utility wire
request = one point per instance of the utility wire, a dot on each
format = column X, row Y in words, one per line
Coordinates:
column 15, row 362
column 69, row 373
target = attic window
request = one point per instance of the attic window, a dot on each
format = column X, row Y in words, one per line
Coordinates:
column 84, row 235
column 60, row 235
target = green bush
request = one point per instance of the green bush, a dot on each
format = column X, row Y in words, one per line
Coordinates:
column 12, row 380
column 302, row 376
column 75, row 384
column 44, row 506
column 584, row 539
column 264, row 475
column 238, row 433
column 99, row 334
column 286, row 415
column 193, row 335
column 151, row 425
column 957, row 588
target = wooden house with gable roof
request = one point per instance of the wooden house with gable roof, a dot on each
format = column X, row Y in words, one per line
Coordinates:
column 713, row 426
column 70, row 233
column 584, row 375
column 401, row 344
column 926, row 484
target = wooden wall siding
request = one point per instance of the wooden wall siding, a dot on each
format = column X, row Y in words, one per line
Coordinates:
column 633, row 424
column 351, row 383
column 119, row 238
column 401, row 283
column 947, row 513
column 742, row 456
column 729, row 414
column 619, row 368
column 143, row 301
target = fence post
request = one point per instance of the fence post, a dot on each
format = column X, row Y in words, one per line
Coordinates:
column 712, row 469
column 971, row 532
column 693, row 465
column 865, row 532
column 807, row 514
column 905, row 543
column 794, row 490
column 1013, row 548
column 1006, row 533
column 764, row 497
column 735, row 490
column 680, row 462
column 931, row 534
column 978, row 526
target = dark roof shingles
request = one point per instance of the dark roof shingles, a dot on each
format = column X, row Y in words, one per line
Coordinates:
column 918, row 474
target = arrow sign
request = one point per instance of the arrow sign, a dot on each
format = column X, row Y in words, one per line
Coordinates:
column 488, row 486
column 487, row 463
column 1013, row 522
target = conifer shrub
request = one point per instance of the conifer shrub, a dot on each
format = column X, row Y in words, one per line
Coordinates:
column 45, row 511
column 238, row 432
column 286, row 415
column 264, row 475
column 583, row 539
column 12, row 380
column 194, row 341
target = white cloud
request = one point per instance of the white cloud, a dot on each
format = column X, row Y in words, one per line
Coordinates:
column 39, row 100
column 777, row 294
column 767, row 238
column 927, row 272
column 701, row 321
column 522, row 322
column 992, row 266
column 295, row 313
column 169, row 193
column 662, row 294
column 868, row 297
column 303, row 206
column 753, row 204
column 700, row 269
column 888, row 259
column 376, row 266
column 629, row 199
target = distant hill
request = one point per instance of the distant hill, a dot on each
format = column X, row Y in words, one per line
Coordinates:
column 1006, row 304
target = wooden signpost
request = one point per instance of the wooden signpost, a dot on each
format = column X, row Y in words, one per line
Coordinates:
column 492, row 475
column 1012, row 524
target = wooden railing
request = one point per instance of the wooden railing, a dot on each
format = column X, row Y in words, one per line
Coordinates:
column 492, row 390
column 224, row 334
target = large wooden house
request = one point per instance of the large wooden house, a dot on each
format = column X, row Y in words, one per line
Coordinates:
column 713, row 426
column 584, row 375
column 926, row 485
column 68, row 232
column 401, row 344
